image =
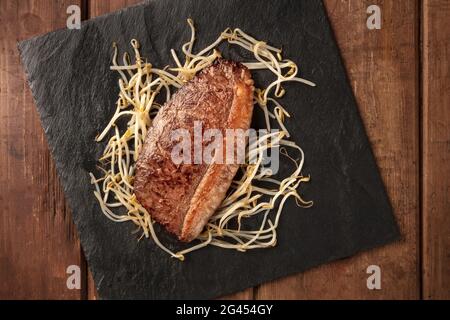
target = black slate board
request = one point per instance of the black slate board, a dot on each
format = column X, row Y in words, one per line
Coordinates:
column 75, row 93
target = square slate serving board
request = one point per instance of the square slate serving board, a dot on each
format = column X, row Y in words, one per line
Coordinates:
column 75, row 93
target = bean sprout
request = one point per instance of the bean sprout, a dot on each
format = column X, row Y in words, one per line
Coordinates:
column 255, row 194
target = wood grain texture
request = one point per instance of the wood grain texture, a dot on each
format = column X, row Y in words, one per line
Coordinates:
column 436, row 149
column 37, row 237
column 382, row 66
column 91, row 290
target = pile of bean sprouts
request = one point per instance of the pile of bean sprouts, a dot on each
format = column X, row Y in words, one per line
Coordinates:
column 255, row 192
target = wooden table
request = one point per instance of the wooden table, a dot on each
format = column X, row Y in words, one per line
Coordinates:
column 400, row 75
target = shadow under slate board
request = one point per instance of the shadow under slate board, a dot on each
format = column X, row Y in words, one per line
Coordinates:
column 75, row 93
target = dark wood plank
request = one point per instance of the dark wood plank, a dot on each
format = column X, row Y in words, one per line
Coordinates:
column 243, row 295
column 37, row 238
column 383, row 69
column 436, row 150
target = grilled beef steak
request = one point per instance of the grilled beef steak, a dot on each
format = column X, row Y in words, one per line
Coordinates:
column 183, row 196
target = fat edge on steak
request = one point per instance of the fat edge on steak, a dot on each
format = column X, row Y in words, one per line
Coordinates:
column 182, row 197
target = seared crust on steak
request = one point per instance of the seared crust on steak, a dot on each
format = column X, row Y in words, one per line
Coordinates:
column 182, row 197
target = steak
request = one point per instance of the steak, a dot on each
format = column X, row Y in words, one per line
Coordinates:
column 183, row 196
